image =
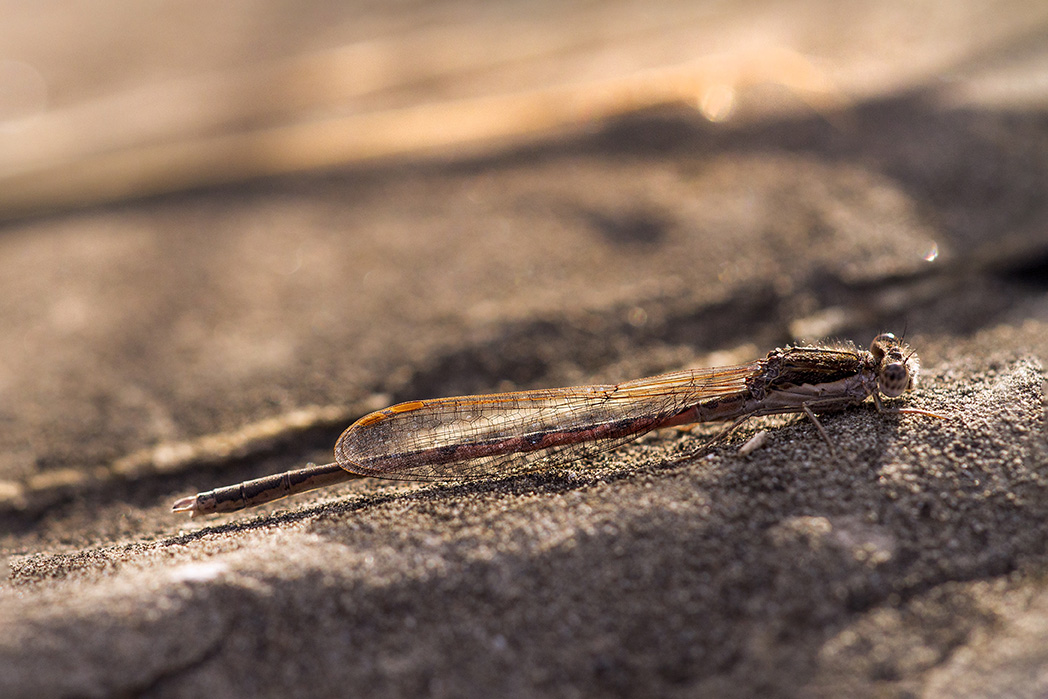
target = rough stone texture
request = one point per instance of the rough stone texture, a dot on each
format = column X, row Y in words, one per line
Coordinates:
column 156, row 347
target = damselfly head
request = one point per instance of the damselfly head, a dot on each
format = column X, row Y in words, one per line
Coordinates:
column 898, row 365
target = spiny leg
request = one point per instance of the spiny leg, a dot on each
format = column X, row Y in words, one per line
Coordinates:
column 819, row 427
column 905, row 411
column 721, row 435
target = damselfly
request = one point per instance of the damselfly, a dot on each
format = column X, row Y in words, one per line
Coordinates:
column 485, row 435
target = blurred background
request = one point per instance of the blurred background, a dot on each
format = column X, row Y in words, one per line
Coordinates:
column 108, row 100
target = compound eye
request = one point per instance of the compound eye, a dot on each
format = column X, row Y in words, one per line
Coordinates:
column 895, row 380
column 881, row 343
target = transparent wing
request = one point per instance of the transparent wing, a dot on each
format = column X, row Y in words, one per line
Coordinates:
column 473, row 436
